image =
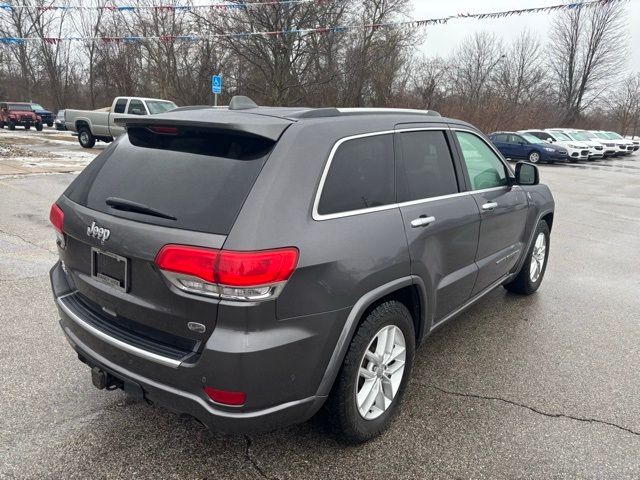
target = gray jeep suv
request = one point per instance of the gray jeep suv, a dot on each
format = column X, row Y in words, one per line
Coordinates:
column 247, row 266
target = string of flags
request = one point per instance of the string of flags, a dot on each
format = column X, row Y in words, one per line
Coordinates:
column 410, row 24
column 4, row 6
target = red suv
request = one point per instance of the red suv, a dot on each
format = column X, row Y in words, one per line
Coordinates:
column 13, row 113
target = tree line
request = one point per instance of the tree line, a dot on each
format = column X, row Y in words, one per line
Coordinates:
column 578, row 76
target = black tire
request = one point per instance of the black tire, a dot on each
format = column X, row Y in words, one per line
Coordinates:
column 534, row 156
column 39, row 127
column 86, row 138
column 49, row 124
column 11, row 125
column 1, row 125
column 27, row 127
column 523, row 283
column 341, row 406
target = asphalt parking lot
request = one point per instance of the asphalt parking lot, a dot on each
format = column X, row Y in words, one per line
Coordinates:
column 539, row 387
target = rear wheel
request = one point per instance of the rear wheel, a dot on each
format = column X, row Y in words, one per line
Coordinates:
column 39, row 127
column 86, row 138
column 49, row 124
column 11, row 125
column 530, row 276
column 534, row 156
column 374, row 374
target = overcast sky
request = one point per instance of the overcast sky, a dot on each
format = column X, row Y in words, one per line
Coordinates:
column 441, row 39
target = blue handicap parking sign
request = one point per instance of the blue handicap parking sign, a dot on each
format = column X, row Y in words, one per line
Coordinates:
column 216, row 84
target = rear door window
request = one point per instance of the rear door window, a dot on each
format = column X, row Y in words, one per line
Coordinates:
column 361, row 176
column 201, row 177
column 425, row 167
column 121, row 104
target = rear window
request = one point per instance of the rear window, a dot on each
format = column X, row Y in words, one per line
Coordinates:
column 200, row 177
column 361, row 176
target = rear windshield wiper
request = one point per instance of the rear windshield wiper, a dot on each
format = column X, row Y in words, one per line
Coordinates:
column 129, row 206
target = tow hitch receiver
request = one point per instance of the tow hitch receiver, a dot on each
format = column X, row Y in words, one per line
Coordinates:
column 102, row 380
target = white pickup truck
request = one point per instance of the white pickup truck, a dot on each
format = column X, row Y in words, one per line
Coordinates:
column 99, row 125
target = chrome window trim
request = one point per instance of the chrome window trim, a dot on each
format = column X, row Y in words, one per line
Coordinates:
column 320, row 217
column 317, row 216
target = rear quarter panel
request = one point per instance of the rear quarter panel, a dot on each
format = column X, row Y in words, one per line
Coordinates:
column 341, row 259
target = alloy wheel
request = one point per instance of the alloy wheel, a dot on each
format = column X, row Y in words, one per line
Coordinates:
column 380, row 373
column 538, row 257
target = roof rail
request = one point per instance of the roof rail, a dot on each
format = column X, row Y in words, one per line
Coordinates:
column 431, row 113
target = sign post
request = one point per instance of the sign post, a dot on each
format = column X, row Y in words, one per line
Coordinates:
column 216, row 87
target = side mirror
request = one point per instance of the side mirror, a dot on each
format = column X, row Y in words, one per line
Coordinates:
column 527, row 174
column 550, row 140
column 136, row 111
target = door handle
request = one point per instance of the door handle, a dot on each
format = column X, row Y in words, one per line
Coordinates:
column 422, row 221
column 489, row 206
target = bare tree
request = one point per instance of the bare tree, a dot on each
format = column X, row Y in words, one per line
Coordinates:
column 587, row 45
column 18, row 22
column 626, row 106
column 87, row 23
column 429, row 82
column 474, row 65
column 355, row 56
column 520, row 82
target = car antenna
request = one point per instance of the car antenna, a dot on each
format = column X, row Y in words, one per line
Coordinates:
column 240, row 102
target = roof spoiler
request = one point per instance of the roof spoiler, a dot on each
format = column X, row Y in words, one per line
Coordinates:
column 258, row 125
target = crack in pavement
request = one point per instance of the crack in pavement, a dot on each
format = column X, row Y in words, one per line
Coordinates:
column 28, row 241
column 533, row 409
column 253, row 461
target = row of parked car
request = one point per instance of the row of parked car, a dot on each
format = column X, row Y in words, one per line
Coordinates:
column 562, row 145
column 27, row 115
column 534, row 145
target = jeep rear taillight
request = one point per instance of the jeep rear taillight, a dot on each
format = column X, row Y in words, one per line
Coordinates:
column 234, row 275
column 192, row 261
column 56, row 217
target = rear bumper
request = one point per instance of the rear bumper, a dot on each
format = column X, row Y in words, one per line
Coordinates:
column 184, row 402
column 280, row 365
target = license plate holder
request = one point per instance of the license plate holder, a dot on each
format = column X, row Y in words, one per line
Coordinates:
column 110, row 269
